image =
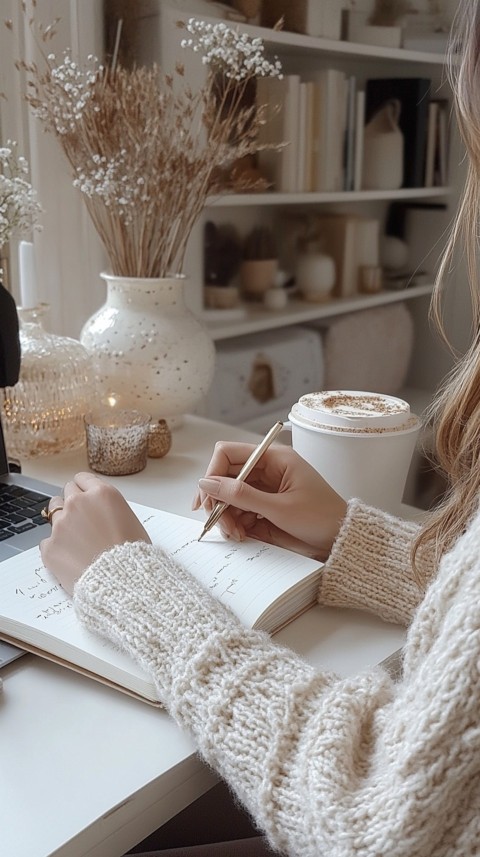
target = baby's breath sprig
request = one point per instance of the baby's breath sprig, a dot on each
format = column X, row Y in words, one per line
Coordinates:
column 146, row 149
column 19, row 208
column 235, row 54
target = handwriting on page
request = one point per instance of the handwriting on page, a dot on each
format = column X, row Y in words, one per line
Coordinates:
column 221, row 583
column 50, row 599
column 246, row 576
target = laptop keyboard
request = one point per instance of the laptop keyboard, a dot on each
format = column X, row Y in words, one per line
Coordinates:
column 20, row 510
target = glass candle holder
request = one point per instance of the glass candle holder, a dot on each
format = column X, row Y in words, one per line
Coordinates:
column 117, row 441
column 43, row 413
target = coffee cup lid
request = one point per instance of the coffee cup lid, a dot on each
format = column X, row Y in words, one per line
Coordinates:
column 352, row 410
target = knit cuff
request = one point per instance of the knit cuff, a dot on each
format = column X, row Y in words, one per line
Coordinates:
column 369, row 567
column 140, row 599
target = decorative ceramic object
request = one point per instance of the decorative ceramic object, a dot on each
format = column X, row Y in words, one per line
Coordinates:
column 315, row 274
column 259, row 268
column 275, row 298
column 360, row 31
column 43, row 412
column 221, row 297
column 383, row 149
column 257, row 276
column 150, row 352
column 370, row 279
column 159, row 439
column 394, row 253
column 249, row 8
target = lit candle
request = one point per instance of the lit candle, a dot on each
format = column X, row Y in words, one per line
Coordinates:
column 28, row 274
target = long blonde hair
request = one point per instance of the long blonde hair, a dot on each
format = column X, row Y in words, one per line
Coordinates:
column 456, row 411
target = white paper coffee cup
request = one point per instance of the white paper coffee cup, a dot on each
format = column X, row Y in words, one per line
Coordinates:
column 361, row 442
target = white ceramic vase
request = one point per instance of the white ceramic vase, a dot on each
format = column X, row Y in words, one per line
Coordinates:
column 383, row 149
column 315, row 275
column 150, row 352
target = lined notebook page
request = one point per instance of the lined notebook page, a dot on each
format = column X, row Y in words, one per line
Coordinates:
column 36, row 610
column 246, row 576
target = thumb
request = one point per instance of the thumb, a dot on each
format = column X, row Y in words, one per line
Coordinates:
column 236, row 493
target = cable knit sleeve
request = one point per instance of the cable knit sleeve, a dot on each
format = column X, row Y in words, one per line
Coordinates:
column 357, row 767
column 369, row 567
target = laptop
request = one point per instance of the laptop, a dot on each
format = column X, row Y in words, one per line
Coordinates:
column 21, row 524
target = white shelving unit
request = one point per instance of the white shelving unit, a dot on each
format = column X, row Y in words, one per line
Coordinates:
column 266, row 199
column 299, row 53
column 158, row 39
column 295, row 50
column 258, row 318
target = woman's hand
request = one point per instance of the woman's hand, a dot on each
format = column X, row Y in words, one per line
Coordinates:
column 91, row 518
column 285, row 501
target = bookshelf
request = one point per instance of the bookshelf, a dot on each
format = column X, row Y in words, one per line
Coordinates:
column 300, row 54
column 313, row 198
column 258, row 318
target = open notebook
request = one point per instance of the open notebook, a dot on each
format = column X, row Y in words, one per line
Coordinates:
column 264, row 585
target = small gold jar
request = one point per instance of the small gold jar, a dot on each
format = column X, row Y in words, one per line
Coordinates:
column 159, row 439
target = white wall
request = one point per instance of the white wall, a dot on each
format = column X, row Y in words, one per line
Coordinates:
column 68, row 253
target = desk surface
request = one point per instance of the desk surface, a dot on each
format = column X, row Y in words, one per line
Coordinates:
column 86, row 770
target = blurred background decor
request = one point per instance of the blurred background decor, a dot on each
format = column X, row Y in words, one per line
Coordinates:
column 43, row 412
column 222, row 257
column 259, row 262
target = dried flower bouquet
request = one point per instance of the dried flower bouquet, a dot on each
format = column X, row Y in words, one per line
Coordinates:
column 146, row 149
column 19, row 208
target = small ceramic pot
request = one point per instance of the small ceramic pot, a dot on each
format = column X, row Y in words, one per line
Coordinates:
column 222, row 297
column 256, row 276
column 275, row 298
column 315, row 275
column 370, row 279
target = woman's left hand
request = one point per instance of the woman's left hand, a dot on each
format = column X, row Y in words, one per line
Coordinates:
column 92, row 517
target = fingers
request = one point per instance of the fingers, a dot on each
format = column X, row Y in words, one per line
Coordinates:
column 55, row 503
column 70, row 489
column 86, row 480
column 80, row 483
column 239, row 494
column 227, row 459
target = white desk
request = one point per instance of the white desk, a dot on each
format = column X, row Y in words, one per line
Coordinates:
column 85, row 770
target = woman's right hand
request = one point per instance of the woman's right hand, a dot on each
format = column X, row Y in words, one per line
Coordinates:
column 285, row 501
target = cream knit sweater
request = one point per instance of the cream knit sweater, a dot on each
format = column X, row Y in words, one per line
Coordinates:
column 326, row 766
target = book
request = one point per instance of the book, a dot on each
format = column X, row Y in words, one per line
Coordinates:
column 309, row 88
column 414, row 96
column 338, row 234
column 359, row 132
column 349, row 153
column 441, row 161
column 269, row 96
column 265, row 586
column 432, row 139
column 367, row 249
column 302, row 178
column 280, row 96
column 329, row 124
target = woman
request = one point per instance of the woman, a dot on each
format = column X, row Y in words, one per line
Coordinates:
column 325, row 766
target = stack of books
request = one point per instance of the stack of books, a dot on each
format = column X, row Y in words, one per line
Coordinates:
column 318, row 128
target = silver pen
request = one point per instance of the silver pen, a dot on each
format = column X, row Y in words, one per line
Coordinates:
column 247, row 468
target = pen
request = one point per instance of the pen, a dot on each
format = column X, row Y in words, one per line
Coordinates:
column 247, row 468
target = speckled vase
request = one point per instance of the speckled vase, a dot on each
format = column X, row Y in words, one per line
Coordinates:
column 149, row 350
